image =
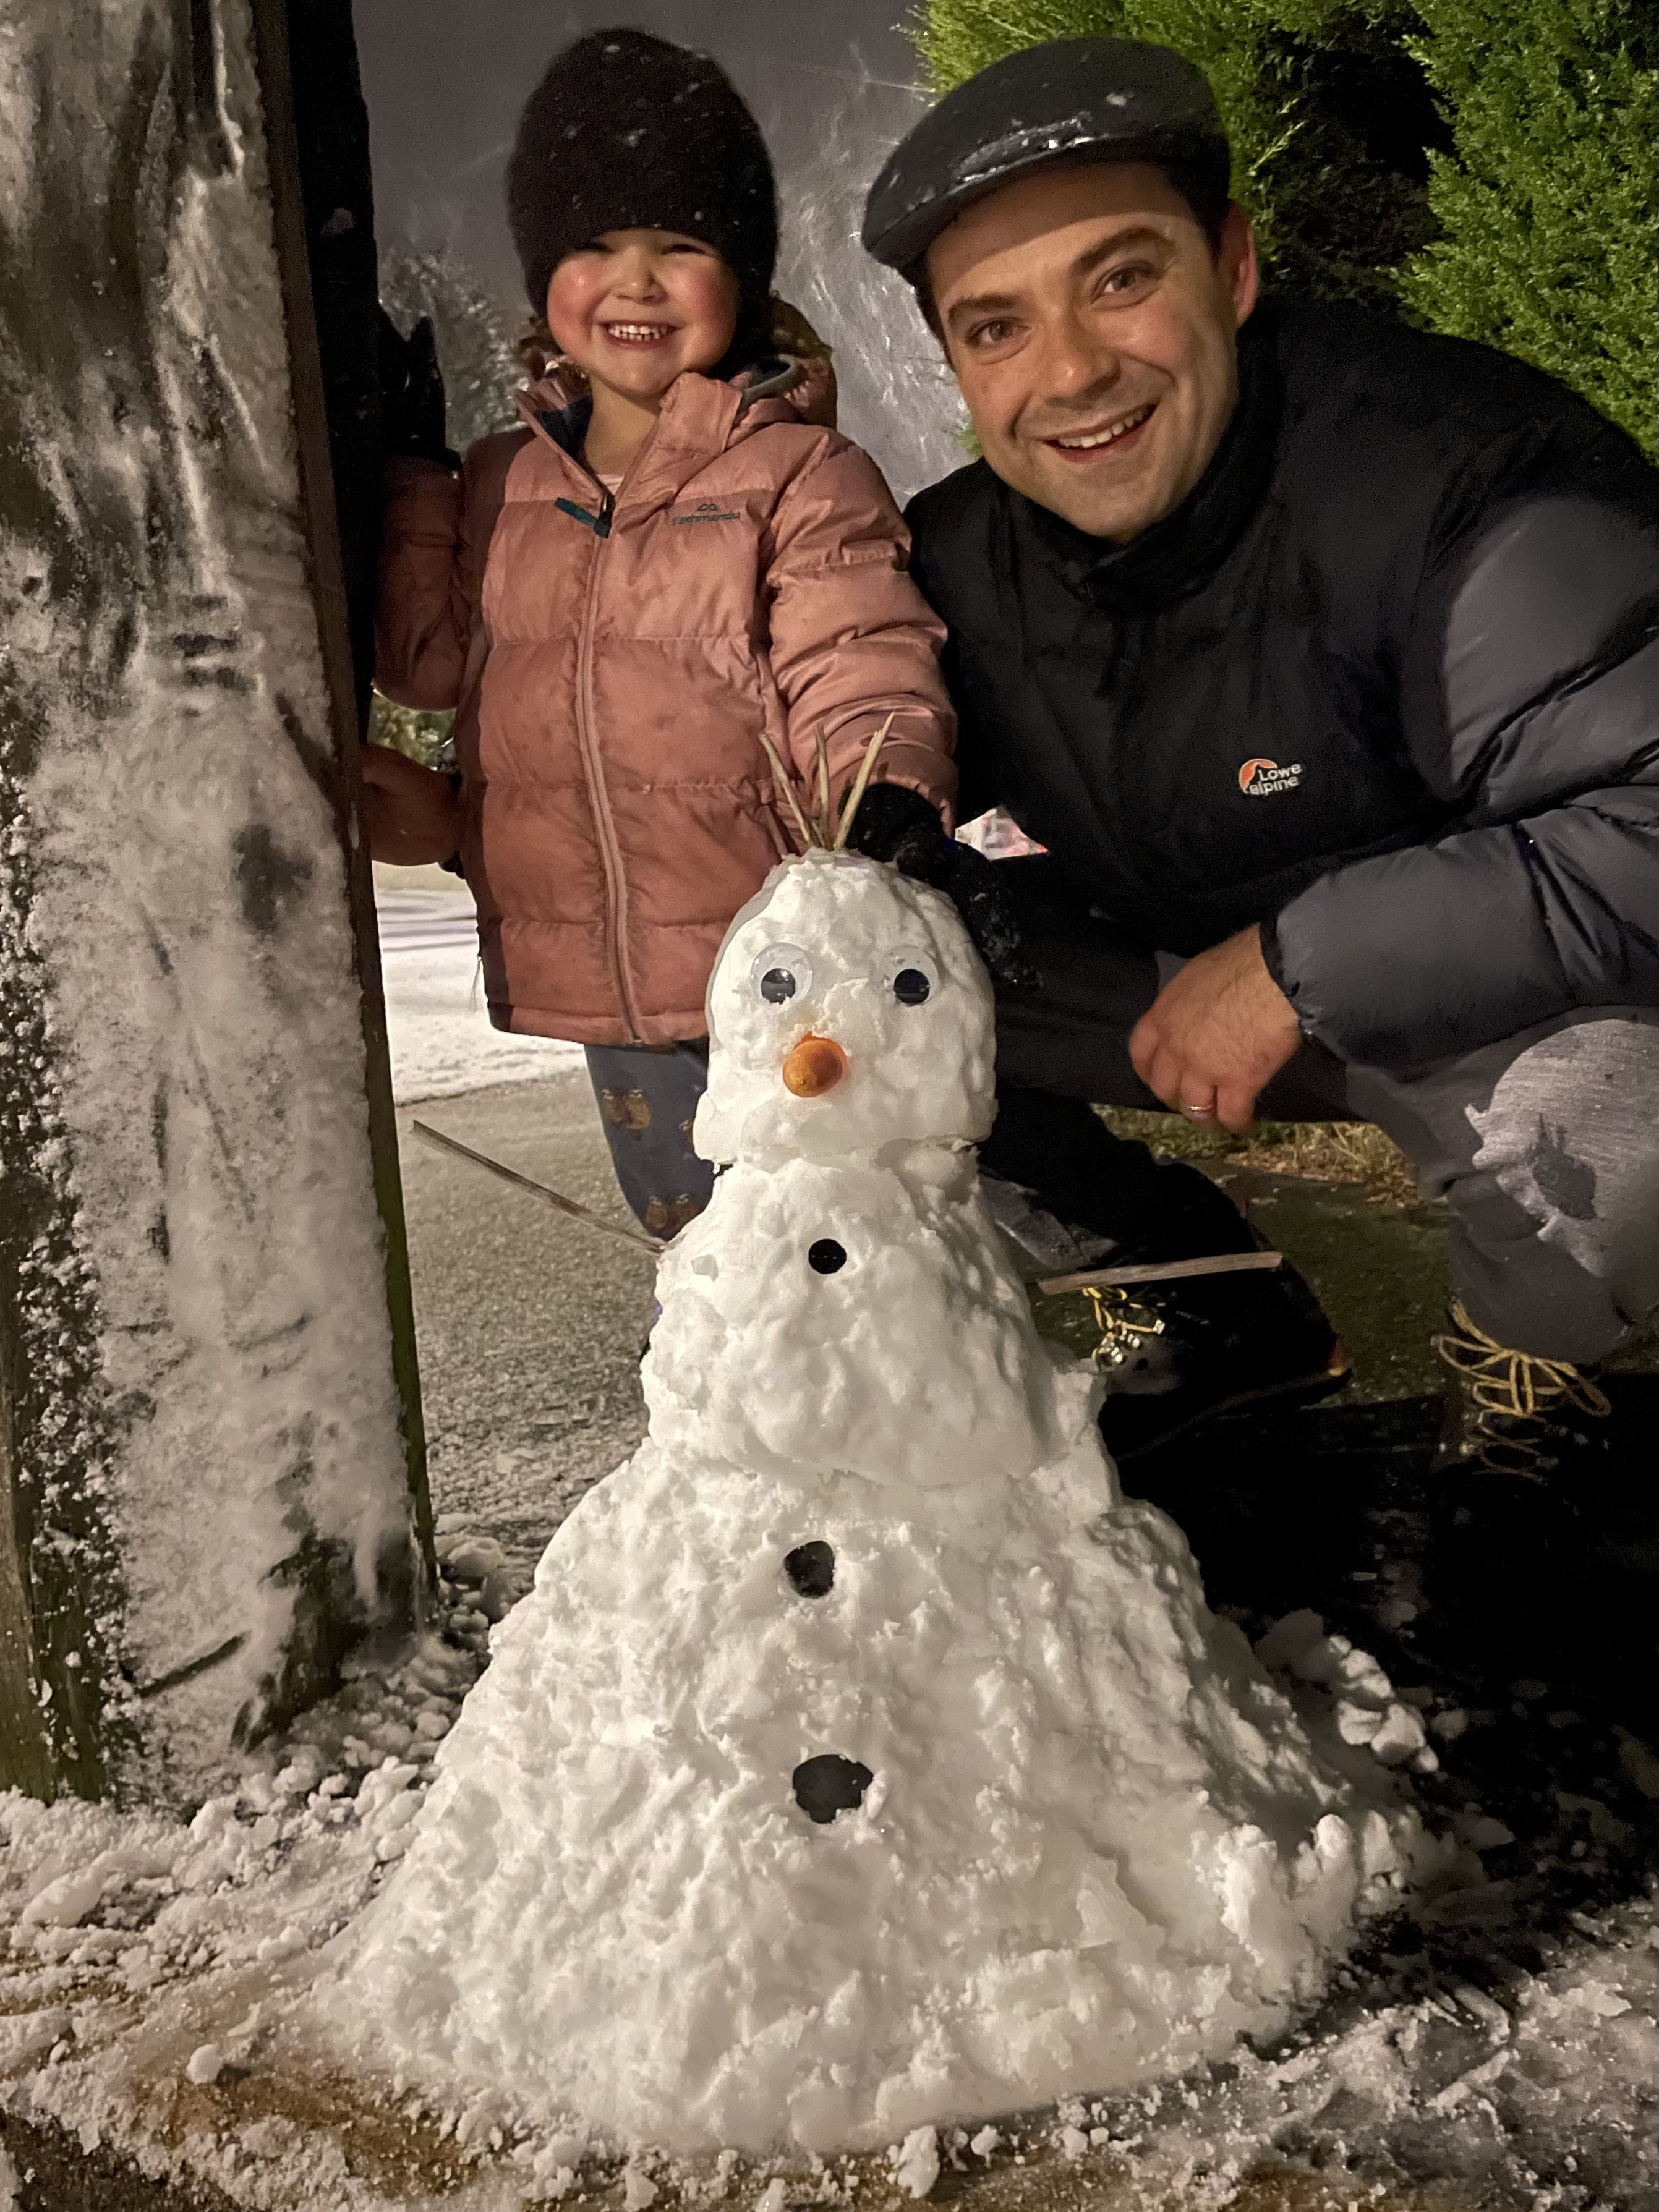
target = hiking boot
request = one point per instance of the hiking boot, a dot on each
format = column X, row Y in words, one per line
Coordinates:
column 1518, row 1569
column 1512, row 1415
column 1174, row 1354
column 1520, row 1436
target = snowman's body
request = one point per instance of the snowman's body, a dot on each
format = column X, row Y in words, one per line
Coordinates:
column 861, row 1759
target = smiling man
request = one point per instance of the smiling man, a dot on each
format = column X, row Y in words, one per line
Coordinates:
column 1319, row 655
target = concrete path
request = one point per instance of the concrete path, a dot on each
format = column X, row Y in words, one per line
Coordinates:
column 529, row 1326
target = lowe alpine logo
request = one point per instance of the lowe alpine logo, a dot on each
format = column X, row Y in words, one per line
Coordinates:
column 1265, row 778
column 707, row 510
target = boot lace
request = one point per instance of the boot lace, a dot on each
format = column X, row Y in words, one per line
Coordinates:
column 1507, row 1393
column 1124, row 1323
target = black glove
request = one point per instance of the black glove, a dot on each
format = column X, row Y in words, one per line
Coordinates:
column 412, row 395
column 897, row 824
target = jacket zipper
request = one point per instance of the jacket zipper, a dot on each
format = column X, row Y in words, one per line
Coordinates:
column 588, row 740
column 599, row 524
column 599, row 798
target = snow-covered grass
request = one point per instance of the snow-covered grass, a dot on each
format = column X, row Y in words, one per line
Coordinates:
column 442, row 1041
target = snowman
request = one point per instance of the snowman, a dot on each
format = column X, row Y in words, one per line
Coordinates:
column 861, row 1759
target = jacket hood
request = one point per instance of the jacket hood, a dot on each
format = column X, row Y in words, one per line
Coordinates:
column 701, row 415
column 767, row 378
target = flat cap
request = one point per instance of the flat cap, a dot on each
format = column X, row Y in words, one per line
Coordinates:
column 1070, row 99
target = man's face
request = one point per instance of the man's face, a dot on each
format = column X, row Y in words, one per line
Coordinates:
column 1091, row 330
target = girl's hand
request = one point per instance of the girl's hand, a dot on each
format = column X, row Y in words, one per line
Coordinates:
column 814, row 396
column 413, row 814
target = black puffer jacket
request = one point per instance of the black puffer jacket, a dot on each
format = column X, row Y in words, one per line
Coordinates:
column 1387, row 683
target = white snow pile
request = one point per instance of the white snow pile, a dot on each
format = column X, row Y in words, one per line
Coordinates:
column 139, row 1954
column 862, row 1761
column 171, row 2022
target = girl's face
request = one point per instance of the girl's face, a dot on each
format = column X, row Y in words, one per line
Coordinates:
column 637, row 308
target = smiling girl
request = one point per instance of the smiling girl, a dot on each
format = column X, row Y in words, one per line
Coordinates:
column 668, row 566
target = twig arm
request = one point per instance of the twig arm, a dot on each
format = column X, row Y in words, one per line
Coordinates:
column 1160, row 1271
column 569, row 1206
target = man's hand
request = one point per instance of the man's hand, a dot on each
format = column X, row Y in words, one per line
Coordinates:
column 412, row 813
column 1215, row 1034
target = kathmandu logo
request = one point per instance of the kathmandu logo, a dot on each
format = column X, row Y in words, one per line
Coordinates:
column 707, row 510
column 1265, row 778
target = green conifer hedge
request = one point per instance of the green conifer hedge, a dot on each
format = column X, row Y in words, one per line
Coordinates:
column 1486, row 166
column 1547, row 206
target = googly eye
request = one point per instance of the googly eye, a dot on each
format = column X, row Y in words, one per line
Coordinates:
column 911, row 977
column 779, row 974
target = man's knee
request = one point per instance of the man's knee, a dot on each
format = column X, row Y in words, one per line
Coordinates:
column 1545, row 1147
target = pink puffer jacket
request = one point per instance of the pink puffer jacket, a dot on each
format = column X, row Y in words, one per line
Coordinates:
column 614, row 671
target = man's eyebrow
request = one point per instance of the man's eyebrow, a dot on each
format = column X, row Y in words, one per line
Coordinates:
column 979, row 303
column 1143, row 233
column 993, row 303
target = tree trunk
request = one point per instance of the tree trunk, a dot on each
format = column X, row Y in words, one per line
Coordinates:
column 211, row 1467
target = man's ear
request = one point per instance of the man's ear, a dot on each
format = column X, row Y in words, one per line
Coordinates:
column 1235, row 258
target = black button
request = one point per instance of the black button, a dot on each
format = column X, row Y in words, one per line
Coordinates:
column 830, row 1785
column 812, row 1568
column 826, row 1255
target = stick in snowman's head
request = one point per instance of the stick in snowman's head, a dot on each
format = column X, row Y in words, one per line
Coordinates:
column 848, row 1009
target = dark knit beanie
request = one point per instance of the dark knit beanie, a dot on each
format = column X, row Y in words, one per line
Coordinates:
column 629, row 132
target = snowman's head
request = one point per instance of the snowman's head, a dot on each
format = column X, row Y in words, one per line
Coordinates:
column 848, row 1009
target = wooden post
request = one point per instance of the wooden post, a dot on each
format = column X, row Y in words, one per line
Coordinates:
column 211, row 1466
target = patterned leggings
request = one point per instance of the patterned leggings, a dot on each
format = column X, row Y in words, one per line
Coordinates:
column 648, row 1095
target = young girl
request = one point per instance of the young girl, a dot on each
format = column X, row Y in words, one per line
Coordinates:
column 629, row 597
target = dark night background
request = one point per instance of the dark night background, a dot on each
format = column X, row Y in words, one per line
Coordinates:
column 833, row 86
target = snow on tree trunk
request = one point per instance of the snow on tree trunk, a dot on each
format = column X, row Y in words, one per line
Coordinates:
column 209, row 1439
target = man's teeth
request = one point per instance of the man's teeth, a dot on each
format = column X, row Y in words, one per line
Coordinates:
column 1105, row 437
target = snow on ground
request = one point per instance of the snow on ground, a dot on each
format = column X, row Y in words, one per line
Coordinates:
column 1496, row 2050
column 516, row 1429
column 147, row 1995
column 442, row 1040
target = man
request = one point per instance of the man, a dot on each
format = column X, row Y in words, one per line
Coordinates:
column 1320, row 655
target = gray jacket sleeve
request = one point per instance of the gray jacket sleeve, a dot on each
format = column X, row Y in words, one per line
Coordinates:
column 1530, row 695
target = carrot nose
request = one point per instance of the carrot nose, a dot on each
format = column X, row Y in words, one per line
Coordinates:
column 816, row 1064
